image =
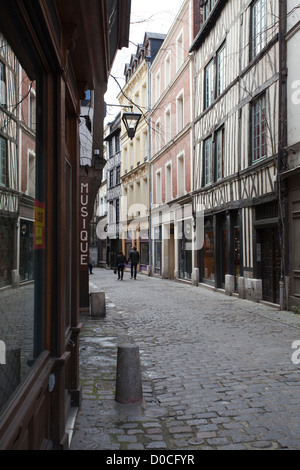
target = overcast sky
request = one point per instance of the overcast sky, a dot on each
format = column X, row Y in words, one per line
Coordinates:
column 155, row 16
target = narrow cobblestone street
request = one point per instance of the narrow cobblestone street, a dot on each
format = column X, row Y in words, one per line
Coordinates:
column 217, row 371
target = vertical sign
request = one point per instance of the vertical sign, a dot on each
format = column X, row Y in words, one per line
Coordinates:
column 84, row 224
column 39, row 225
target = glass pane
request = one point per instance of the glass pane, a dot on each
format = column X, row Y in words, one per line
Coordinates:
column 22, row 227
column 208, row 161
column 144, row 253
column 208, row 252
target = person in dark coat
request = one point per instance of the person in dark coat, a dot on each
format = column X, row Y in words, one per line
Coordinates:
column 121, row 261
column 134, row 258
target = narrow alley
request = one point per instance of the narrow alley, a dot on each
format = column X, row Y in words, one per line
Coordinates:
column 217, row 372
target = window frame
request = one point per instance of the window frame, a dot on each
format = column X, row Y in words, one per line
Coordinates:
column 168, row 124
column 221, row 70
column 157, row 136
column 219, row 152
column 258, row 39
column 111, row 178
column 158, row 184
column 180, row 112
column 179, row 50
column 3, row 84
column 208, row 161
column 258, row 108
column 118, row 174
column 168, row 182
column 208, row 7
column 3, row 161
column 168, row 69
column 209, row 84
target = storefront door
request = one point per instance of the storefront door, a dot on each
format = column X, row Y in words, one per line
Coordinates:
column 270, row 260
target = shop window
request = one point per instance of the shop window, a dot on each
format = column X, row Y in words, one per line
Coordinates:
column 157, row 249
column 237, row 248
column 26, row 250
column 22, row 233
column 208, row 253
column 144, row 253
column 185, row 253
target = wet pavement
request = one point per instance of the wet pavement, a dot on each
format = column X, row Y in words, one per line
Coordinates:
column 217, row 371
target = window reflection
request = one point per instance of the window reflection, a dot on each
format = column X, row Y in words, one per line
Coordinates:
column 21, row 234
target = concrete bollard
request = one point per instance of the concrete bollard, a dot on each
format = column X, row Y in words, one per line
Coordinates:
column 128, row 382
column 98, row 308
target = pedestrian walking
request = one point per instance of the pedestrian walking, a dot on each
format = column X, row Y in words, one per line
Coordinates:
column 134, row 258
column 90, row 266
column 121, row 261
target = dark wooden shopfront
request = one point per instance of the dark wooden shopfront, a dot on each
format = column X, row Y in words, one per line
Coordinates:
column 66, row 47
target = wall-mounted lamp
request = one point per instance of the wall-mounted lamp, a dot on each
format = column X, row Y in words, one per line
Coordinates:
column 131, row 122
column 88, row 121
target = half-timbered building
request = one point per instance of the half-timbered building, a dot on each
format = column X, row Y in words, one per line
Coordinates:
column 290, row 155
column 236, row 66
column 114, row 191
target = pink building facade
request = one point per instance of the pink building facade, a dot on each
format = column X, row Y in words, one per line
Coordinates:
column 27, row 168
column 172, row 149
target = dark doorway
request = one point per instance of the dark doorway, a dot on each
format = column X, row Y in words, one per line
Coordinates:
column 270, row 264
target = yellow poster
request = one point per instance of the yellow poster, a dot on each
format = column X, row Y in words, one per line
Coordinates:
column 39, row 225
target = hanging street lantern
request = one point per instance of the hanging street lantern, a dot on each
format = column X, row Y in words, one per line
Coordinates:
column 131, row 121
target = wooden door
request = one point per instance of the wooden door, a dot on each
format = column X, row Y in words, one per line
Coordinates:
column 270, row 259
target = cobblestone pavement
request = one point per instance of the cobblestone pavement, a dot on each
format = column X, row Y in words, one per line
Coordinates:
column 217, row 371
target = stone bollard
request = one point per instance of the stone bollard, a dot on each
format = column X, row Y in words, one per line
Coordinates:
column 98, row 308
column 128, row 382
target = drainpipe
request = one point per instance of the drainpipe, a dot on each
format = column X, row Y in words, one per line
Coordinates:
column 282, row 210
column 148, row 59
